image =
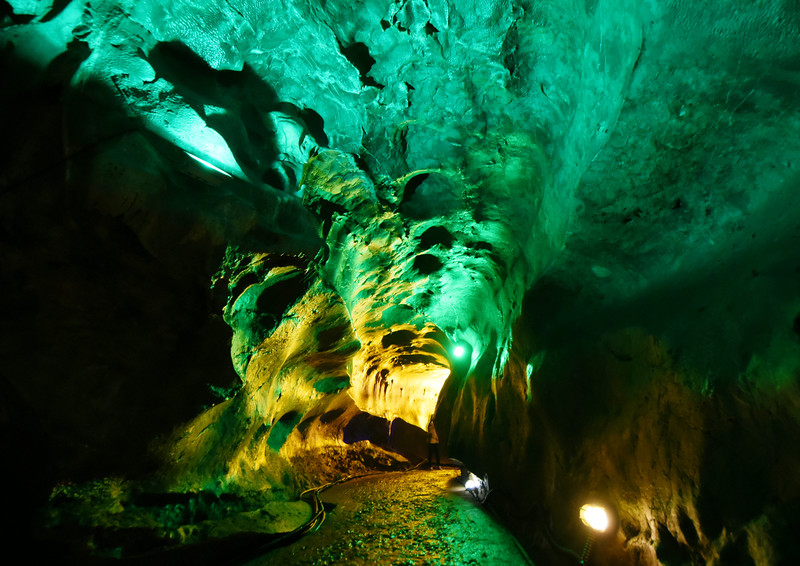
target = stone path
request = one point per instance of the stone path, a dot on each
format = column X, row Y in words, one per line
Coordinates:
column 415, row 518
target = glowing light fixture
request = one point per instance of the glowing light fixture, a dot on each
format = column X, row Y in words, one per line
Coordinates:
column 458, row 351
column 477, row 487
column 594, row 517
column 207, row 164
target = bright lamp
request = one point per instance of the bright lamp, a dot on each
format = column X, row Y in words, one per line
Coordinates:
column 594, row 517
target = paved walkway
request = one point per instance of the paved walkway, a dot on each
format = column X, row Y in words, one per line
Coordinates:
column 417, row 518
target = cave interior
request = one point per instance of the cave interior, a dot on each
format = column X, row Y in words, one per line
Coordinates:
column 252, row 246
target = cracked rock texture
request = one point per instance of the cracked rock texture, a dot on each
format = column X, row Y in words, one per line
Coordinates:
column 241, row 240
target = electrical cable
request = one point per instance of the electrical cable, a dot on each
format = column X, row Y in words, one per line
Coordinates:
column 519, row 546
column 241, row 552
column 549, row 536
column 318, row 513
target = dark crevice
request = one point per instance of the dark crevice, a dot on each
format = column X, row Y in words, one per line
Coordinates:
column 57, row 7
column 359, row 57
column 427, row 264
column 362, row 164
column 329, row 337
column 367, row 427
column 436, row 235
column 7, row 11
column 413, row 183
column 430, row 29
column 326, row 209
column 315, row 125
column 510, row 63
column 244, row 282
column 403, row 141
column 670, row 551
column 687, row 528
column 481, row 246
column 276, row 299
column 398, row 338
column 736, row 553
column 409, row 359
column 331, row 416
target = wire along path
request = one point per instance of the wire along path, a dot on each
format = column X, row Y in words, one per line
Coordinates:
column 419, row 517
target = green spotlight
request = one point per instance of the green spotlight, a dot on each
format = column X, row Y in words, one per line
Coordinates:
column 207, row 164
column 458, row 351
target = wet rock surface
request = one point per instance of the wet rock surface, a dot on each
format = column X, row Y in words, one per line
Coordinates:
column 421, row 517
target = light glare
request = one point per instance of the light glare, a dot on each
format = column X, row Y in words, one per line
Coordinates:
column 458, row 351
column 477, row 487
column 594, row 517
column 207, row 164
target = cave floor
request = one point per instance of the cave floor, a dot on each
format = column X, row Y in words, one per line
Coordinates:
column 422, row 517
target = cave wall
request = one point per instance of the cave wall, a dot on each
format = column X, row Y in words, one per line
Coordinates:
column 621, row 418
column 662, row 381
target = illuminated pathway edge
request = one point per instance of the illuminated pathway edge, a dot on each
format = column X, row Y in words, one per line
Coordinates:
column 402, row 518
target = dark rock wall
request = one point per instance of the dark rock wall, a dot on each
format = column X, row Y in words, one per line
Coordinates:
column 97, row 331
column 618, row 415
